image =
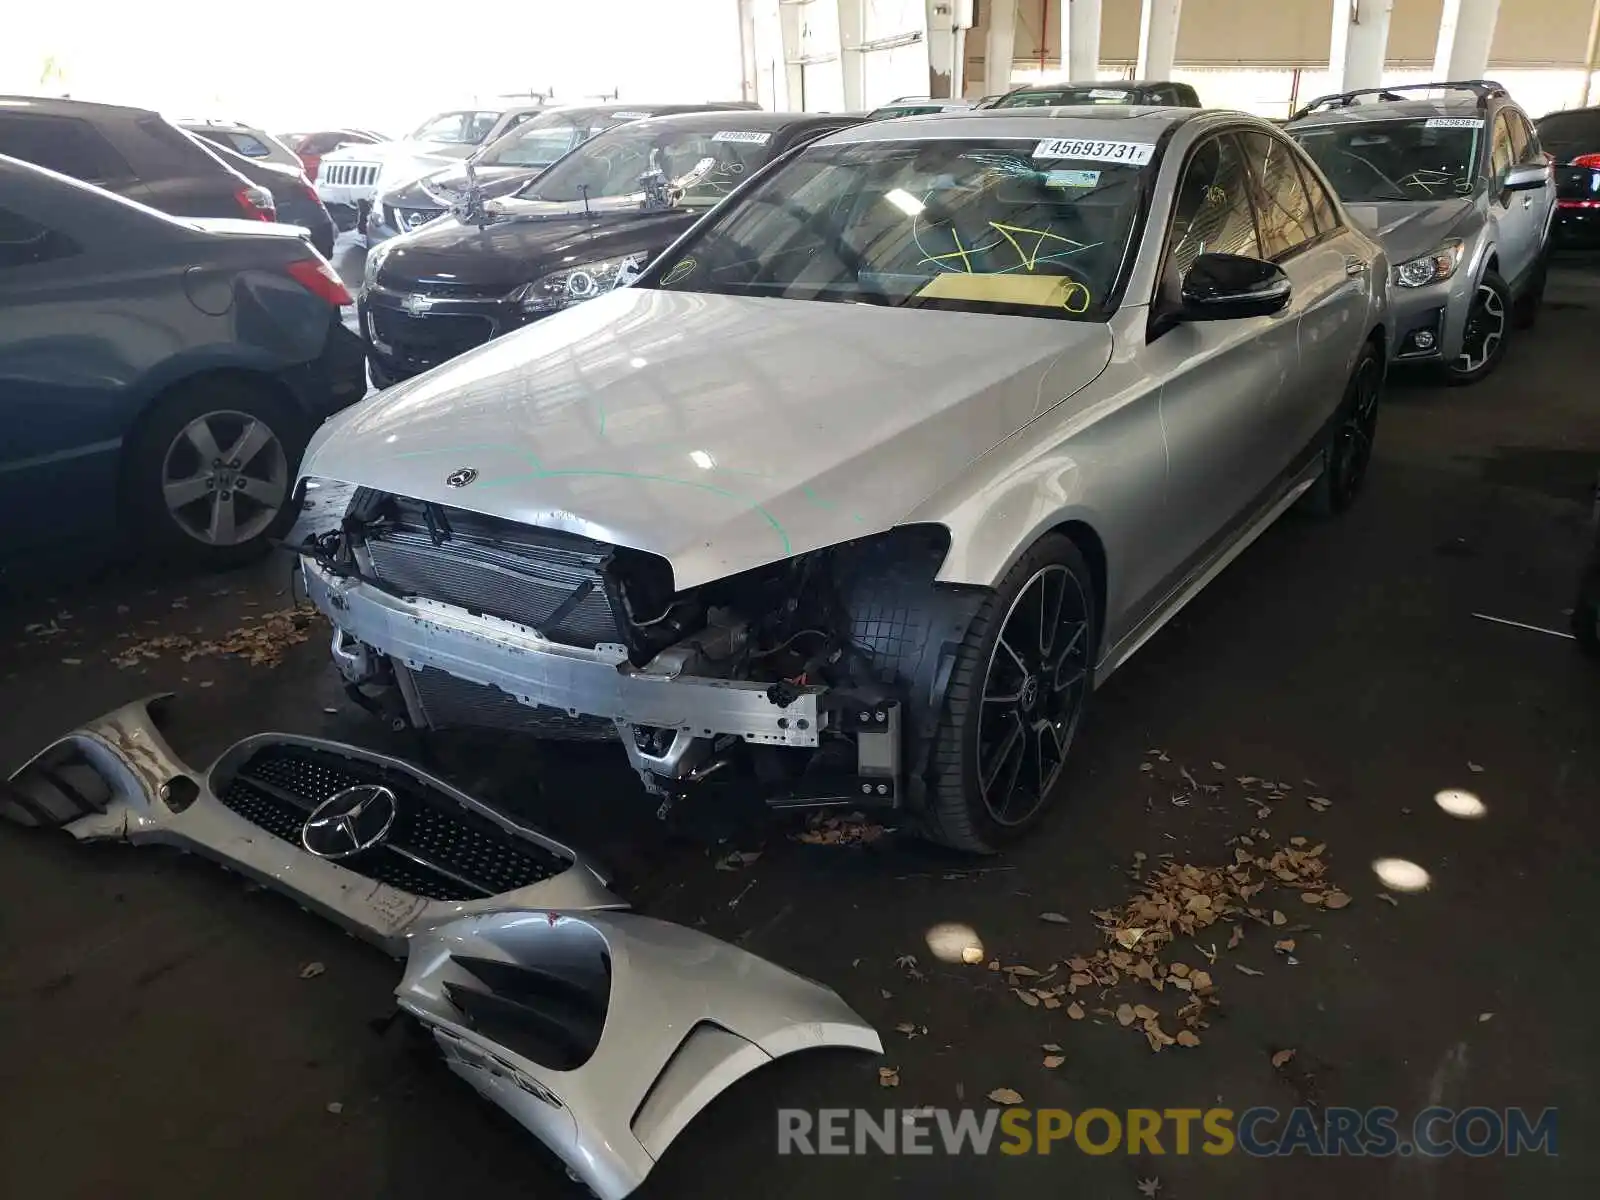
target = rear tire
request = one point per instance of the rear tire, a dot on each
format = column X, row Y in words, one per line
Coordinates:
column 209, row 474
column 1348, row 455
column 1489, row 321
column 1016, row 697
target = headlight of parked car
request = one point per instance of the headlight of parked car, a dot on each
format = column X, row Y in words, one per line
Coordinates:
column 573, row 285
column 375, row 257
column 1432, row 267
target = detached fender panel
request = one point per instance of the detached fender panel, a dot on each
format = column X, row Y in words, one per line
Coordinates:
column 604, row 1034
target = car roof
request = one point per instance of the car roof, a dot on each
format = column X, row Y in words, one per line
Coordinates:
column 1391, row 110
column 1110, row 85
column 61, row 107
column 755, row 120
column 1106, row 121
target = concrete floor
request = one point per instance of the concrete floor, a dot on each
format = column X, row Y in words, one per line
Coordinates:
column 156, row 1036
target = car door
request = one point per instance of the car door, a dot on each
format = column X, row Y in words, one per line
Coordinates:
column 56, row 472
column 1222, row 383
column 1540, row 202
column 1514, row 214
column 1328, row 267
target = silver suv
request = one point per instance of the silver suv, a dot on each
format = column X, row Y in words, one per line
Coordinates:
column 1453, row 180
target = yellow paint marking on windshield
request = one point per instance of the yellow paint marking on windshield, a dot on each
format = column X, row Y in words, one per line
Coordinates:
column 1029, row 260
column 1040, row 291
column 959, row 252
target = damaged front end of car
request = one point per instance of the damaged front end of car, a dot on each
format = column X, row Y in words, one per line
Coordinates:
column 815, row 680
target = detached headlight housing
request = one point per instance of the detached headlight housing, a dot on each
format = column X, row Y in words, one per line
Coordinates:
column 1433, row 267
column 573, row 285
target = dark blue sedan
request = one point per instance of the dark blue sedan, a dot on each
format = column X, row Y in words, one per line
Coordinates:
column 159, row 376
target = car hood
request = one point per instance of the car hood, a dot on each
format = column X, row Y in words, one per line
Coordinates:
column 1408, row 228
column 505, row 254
column 719, row 432
column 430, row 191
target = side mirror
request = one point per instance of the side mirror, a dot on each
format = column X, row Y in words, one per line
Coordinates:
column 1525, row 178
column 1226, row 287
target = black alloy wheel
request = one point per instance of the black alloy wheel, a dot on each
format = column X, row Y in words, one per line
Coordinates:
column 1483, row 342
column 1351, row 452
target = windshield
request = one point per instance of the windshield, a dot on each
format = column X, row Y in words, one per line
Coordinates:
column 1012, row 225
column 466, row 128
column 1066, row 96
column 1425, row 158
column 698, row 166
column 540, row 141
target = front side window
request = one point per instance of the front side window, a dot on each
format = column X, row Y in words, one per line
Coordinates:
column 1526, row 138
column 1283, row 207
column 1211, row 214
column 63, row 144
column 1502, row 154
column 694, row 168
column 466, row 128
column 995, row 225
column 1322, row 206
column 1417, row 158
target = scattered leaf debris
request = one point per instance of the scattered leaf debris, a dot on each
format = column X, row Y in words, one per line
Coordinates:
column 335, row 1108
column 262, row 640
column 1005, row 1095
column 1388, row 899
column 1485, row 1016
column 834, row 830
column 1052, row 1061
column 1055, row 918
column 1475, row 768
column 1149, row 1187
column 738, row 860
column 888, row 1077
column 1075, row 1011
column 1282, row 1057
column 1244, row 970
column 311, row 970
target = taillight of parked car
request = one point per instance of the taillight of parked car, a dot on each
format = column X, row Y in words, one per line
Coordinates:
column 257, row 203
column 1592, row 161
column 320, row 279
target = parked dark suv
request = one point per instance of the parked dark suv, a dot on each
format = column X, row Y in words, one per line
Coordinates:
column 1572, row 139
column 129, row 151
column 159, row 376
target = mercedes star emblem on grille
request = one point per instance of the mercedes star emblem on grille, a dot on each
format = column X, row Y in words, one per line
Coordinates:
column 350, row 821
column 460, row 477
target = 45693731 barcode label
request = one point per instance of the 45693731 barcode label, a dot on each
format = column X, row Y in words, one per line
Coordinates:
column 1133, row 154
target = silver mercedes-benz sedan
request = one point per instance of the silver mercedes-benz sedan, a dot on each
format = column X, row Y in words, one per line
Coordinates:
column 856, row 493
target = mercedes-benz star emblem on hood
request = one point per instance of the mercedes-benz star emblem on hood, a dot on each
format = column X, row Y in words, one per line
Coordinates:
column 350, row 821
column 460, row 477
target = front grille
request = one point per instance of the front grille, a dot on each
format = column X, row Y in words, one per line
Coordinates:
column 545, row 579
column 349, row 174
column 420, row 343
column 435, row 849
column 449, row 702
column 407, row 219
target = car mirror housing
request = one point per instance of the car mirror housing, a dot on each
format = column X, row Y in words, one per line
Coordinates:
column 1526, row 177
column 1225, row 287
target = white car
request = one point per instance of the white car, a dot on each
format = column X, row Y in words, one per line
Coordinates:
column 351, row 177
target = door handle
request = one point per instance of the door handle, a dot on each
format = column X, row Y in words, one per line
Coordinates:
column 1354, row 265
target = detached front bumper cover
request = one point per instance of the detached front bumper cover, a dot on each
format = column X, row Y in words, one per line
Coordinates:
column 604, row 1033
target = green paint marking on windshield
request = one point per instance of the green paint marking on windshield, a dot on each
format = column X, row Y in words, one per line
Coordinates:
column 777, row 526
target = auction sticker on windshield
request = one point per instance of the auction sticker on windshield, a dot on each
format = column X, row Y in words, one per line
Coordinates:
column 629, row 116
column 1134, row 154
column 1453, row 123
column 742, row 135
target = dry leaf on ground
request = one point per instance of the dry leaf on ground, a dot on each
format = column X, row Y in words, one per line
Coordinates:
column 1052, row 1061
column 888, row 1077
column 1284, row 946
column 1278, row 918
column 1051, row 1048
column 1027, row 998
column 1244, row 970
column 1388, row 899
column 972, row 955
column 1005, row 1095
column 1236, row 937
column 1188, row 1037
column 1149, row 1187
column 1055, row 918
column 311, row 970
column 1125, row 1014
column 850, row 830
column 1075, row 1011
column 1282, row 1057
column 1335, row 900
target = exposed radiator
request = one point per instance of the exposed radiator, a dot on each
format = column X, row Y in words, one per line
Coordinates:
column 450, row 702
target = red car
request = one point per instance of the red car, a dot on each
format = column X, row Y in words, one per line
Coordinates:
column 310, row 147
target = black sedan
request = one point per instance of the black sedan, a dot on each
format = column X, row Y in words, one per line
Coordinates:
column 1572, row 139
column 159, row 376
column 296, row 201
column 586, row 225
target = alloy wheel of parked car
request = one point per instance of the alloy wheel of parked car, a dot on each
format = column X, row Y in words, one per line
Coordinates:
column 1351, row 452
column 225, row 478
column 1483, row 343
column 1032, row 694
column 1018, row 690
column 207, row 474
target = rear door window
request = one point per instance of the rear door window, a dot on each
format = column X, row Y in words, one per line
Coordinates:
column 24, row 242
column 63, row 144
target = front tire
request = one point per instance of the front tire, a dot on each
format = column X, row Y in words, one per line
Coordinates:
column 208, row 475
column 1017, row 694
column 1483, row 345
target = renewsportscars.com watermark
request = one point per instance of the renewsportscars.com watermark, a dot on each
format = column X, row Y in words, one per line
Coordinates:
column 1258, row 1132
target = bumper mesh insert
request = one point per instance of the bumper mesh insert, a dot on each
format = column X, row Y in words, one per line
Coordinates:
column 435, row 849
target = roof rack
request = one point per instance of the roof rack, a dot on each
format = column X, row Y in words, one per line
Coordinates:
column 1484, row 89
